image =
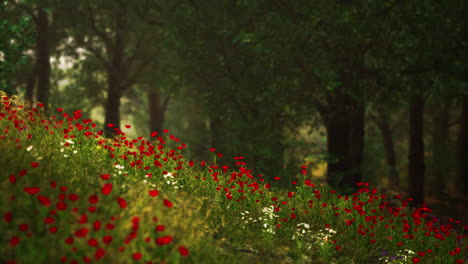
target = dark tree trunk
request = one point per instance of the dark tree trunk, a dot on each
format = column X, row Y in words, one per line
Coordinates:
column 265, row 148
column 463, row 152
column 157, row 110
column 338, row 148
column 338, row 137
column 356, row 141
column 440, row 141
column 43, row 57
column 221, row 140
column 112, row 109
column 30, row 84
column 216, row 126
column 199, row 137
column 344, row 122
column 416, row 168
column 115, row 77
column 383, row 122
column 156, row 117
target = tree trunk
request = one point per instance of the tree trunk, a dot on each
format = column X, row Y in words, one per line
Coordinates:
column 43, row 58
column 338, row 147
column 344, row 122
column 356, row 141
column 30, row 85
column 440, row 141
column 416, row 168
column 216, row 138
column 199, row 137
column 463, row 151
column 383, row 122
column 156, row 111
column 338, row 139
column 222, row 140
column 112, row 109
column 115, row 77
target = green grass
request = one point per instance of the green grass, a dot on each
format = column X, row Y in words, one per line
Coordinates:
column 68, row 195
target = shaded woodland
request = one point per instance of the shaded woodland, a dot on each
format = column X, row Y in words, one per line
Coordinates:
column 380, row 87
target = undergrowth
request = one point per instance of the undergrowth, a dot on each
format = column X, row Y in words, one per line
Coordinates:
column 69, row 195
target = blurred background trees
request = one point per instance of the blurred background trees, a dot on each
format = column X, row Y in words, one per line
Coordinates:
column 359, row 91
column 16, row 33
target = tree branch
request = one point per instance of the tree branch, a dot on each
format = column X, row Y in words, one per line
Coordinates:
column 27, row 9
column 92, row 22
column 151, row 20
column 165, row 103
column 387, row 9
column 94, row 51
column 417, row 70
column 132, row 77
column 131, row 59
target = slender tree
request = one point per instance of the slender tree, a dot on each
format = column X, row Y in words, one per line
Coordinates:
column 43, row 57
column 440, row 146
column 157, row 109
column 463, row 150
column 382, row 119
column 416, row 167
column 112, row 35
column 41, row 71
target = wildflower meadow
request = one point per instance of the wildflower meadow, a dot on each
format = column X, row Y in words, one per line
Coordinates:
column 69, row 195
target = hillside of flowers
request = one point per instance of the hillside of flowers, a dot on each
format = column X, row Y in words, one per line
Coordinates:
column 69, row 195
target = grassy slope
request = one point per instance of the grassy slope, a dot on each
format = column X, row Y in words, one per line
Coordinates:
column 220, row 216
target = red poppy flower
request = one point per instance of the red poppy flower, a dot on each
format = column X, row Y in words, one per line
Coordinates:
column 14, row 241
column 183, row 251
column 163, row 240
column 136, row 256
column 92, row 242
column 97, row 225
column 167, row 203
column 122, row 202
column 73, row 197
column 69, row 240
column 93, row 199
column 43, row 200
column 81, row 232
column 83, row 219
column 32, row 190
column 23, row 227
column 61, row 206
column 107, row 239
column 53, row 229
column 99, row 253
column 7, row 216
column 49, row 220
column 107, row 188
